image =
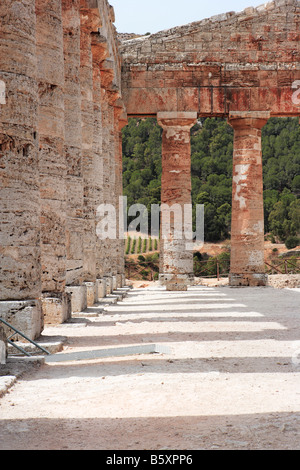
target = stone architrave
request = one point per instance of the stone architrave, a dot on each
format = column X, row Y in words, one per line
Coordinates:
column 121, row 121
column 99, row 54
column 247, row 227
column 176, row 265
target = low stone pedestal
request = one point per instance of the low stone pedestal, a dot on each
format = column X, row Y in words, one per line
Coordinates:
column 175, row 282
column 25, row 315
column 91, row 293
column 248, row 280
column 119, row 281
column 101, row 288
column 56, row 310
column 78, row 298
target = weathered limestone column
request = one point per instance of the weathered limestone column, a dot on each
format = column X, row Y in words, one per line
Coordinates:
column 73, row 156
column 120, row 121
column 99, row 53
column 247, row 226
column 176, row 265
column 52, row 163
column 90, row 21
column 107, row 76
column 20, row 263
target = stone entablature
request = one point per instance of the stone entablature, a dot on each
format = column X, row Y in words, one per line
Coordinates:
column 244, row 61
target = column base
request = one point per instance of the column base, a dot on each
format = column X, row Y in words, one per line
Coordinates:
column 56, row 309
column 25, row 315
column 78, row 298
column 248, row 280
column 91, row 293
column 176, row 282
column 119, row 281
column 101, row 288
column 109, row 284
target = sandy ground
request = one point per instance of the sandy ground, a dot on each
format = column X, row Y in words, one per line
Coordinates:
column 228, row 379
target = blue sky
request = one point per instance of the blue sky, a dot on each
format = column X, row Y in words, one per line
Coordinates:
column 142, row 16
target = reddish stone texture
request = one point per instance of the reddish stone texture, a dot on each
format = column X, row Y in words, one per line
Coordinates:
column 176, row 263
column 247, row 226
column 244, row 61
column 52, row 166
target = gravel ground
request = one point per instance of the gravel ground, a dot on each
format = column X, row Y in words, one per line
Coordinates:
column 228, row 376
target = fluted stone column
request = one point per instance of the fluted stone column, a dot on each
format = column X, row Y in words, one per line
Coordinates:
column 176, row 264
column 247, row 226
column 107, row 76
column 90, row 21
column 20, row 262
column 73, row 141
column 99, row 52
column 52, row 162
column 73, row 156
column 120, row 121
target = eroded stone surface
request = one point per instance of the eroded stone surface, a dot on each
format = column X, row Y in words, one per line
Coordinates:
column 176, row 262
column 247, row 265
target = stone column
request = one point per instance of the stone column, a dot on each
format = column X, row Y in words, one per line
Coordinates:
column 176, row 264
column 120, row 121
column 99, row 52
column 73, row 141
column 52, row 163
column 247, row 226
column 20, row 262
column 90, row 21
column 73, row 156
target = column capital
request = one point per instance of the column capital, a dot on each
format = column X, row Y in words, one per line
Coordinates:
column 176, row 118
column 243, row 119
column 90, row 16
column 99, row 47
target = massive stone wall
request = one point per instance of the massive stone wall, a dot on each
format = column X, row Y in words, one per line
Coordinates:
column 60, row 115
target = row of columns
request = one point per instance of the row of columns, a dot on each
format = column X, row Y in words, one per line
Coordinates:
column 247, row 227
column 60, row 158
